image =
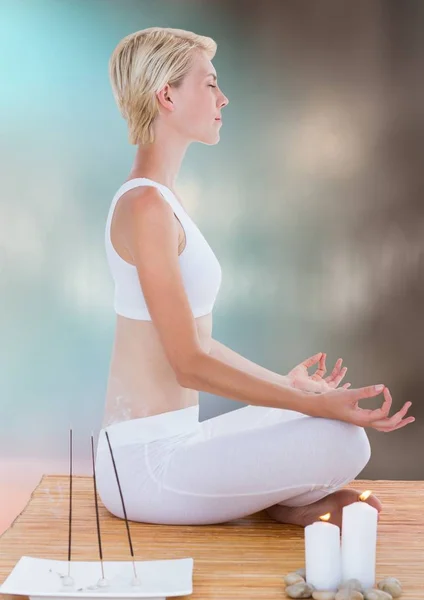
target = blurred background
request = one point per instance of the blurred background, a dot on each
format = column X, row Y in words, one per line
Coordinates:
column 312, row 201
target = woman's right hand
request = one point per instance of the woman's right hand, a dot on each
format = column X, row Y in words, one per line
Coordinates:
column 343, row 404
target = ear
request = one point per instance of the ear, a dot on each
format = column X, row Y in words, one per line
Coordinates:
column 164, row 97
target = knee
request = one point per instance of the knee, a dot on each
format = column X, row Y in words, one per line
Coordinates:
column 352, row 449
column 359, row 445
column 343, row 449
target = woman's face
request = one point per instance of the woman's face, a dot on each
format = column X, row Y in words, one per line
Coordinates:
column 198, row 103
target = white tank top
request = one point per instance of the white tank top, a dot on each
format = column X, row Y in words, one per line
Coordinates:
column 200, row 268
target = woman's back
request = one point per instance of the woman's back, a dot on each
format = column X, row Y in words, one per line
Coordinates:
column 141, row 380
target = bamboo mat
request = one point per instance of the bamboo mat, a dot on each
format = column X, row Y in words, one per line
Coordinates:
column 244, row 558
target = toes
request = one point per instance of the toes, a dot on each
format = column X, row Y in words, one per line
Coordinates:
column 375, row 502
column 372, row 500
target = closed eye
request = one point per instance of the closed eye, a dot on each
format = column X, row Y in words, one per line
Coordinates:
column 210, row 85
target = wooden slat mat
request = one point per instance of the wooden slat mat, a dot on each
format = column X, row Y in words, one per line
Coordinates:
column 245, row 558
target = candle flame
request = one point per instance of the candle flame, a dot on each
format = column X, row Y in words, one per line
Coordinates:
column 325, row 517
column 365, row 495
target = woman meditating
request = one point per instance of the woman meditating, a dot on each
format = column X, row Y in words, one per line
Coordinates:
column 300, row 438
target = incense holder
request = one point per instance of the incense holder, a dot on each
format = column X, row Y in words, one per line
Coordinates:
column 41, row 579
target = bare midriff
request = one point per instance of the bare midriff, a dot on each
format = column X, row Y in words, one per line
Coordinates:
column 141, row 380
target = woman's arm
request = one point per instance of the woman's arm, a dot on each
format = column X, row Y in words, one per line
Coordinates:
column 152, row 238
column 224, row 372
column 232, row 358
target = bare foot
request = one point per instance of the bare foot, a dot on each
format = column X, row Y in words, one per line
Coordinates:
column 333, row 503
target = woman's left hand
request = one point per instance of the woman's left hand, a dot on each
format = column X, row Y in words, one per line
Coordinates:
column 300, row 379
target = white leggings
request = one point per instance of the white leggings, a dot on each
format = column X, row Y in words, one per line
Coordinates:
column 174, row 469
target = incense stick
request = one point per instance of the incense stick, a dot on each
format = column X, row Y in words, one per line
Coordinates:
column 70, row 502
column 97, row 507
column 123, row 503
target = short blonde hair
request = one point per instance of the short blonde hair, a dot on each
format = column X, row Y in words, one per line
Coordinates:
column 142, row 63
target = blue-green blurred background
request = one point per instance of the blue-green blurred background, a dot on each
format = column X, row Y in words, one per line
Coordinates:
column 312, row 201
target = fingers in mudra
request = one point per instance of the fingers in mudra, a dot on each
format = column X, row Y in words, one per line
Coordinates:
column 337, row 373
column 321, row 370
column 378, row 419
column 334, row 381
column 396, row 421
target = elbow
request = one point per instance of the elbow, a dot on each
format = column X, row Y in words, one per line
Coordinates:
column 187, row 372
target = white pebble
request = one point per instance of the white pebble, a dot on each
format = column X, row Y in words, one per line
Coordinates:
column 301, row 572
column 347, row 594
column 292, row 578
column 323, row 595
column 352, row 584
column 67, row 580
column 391, row 585
column 373, row 594
column 300, row 590
column 103, row 582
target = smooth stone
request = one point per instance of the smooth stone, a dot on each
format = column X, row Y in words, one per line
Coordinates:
column 373, row 594
column 300, row 590
column 347, row 594
column 352, row 584
column 292, row 578
column 301, row 572
column 391, row 585
column 323, row 595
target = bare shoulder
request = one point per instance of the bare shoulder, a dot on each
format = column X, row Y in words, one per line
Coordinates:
column 151, row 235
column 148, row 214
column 144, row 199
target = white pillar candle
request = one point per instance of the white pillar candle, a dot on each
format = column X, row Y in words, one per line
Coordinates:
column 359, row 541
column 322, row 554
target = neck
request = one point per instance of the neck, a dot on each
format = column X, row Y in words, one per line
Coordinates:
column 161, row 160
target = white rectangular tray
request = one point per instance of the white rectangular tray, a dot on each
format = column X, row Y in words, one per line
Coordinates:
column 41, row 578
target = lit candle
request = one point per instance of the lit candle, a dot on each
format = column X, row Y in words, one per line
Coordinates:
column 359, row 541
column 322, row 554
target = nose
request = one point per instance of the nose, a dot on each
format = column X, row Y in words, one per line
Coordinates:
column 224, row 101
